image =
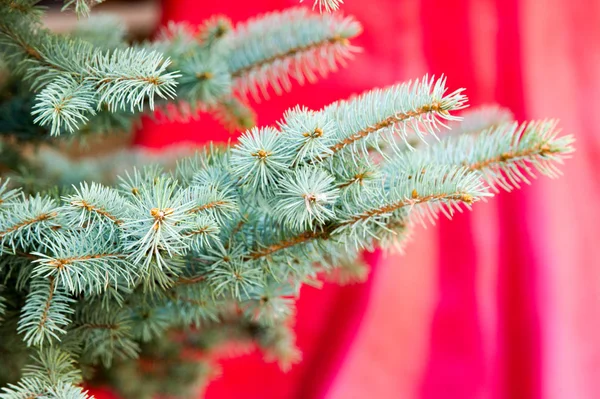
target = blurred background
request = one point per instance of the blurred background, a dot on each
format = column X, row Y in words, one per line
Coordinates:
column 503, row 302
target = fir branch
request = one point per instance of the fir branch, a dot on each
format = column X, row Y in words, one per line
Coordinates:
column 514, row 149
column 225, row 241
column 350, row 271
column 155, row 227
column 123, row 78
column 84, row 263
column 95, row 203
column 205, row 79
column 195, row 303
column 64, row 105
column 272, row 304
column 418, row 106
column 27, row 221
column 128, row 79
column 505, row 155
column 327, row 5
column 45, row 313
column 447, row 185
column 268, row 50
column 81, row 7
column 308, row 133
column 53, row 366
column 207, row 199
column 30, row 388
column 234, row 114
column 204, row 231
column 233, row 278
column 301, row 238
column 106, row 336
column 214, row 30
column 396, row 233
column 208, row 206
column 306, row 199
column 259, row 159
column 6, row 193
column 23, row 7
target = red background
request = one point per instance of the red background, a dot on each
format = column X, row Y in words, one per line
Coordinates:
column 503, row 302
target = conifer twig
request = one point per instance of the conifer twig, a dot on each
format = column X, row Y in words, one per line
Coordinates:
column 267, row 51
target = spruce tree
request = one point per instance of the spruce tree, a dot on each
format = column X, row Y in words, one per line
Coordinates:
column 121, row 269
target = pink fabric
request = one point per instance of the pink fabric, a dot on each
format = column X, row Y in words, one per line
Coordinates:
column 508, row 306
column 502, row 302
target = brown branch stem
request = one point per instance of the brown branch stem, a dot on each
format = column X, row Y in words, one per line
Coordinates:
column 328, row 230
column 60, row 263
column 48, row 304
column 209, row 205
column 27, row 222
column 388, row 122
column 540, row 149
column 100, row 211
column 291, row 53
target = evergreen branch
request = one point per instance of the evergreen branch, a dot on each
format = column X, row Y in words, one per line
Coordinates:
column 268, row 50
column 418, row 106
column 214, row 30
column 514, row 149
column 504, row 155
column 6, row 193
column 68, row 391
column 106, row 336
column 306, row 199
column 104, row 78
column 30, row 388
column 27, row 221
column 125, row 78
column 64, row 105
column 17, row 36
column 447, row 185
column 157, row 223
column 84, row 263
column 95, row 203
column 209, row 206
column 24, row 7
column 272, row 304
column 195, row 303
column 396, row 232
column 81, row 7
column 327, row 5
column 349, row 271
column 122, row 78
column 204, row 232
column 291, row 242
column 210, row 198
column 233, row 278
column 259, row 160
column 205, row 78
column 234, row 114
column 45, row 313
column 54, row 367
column 225, row 241
column 307, row 133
